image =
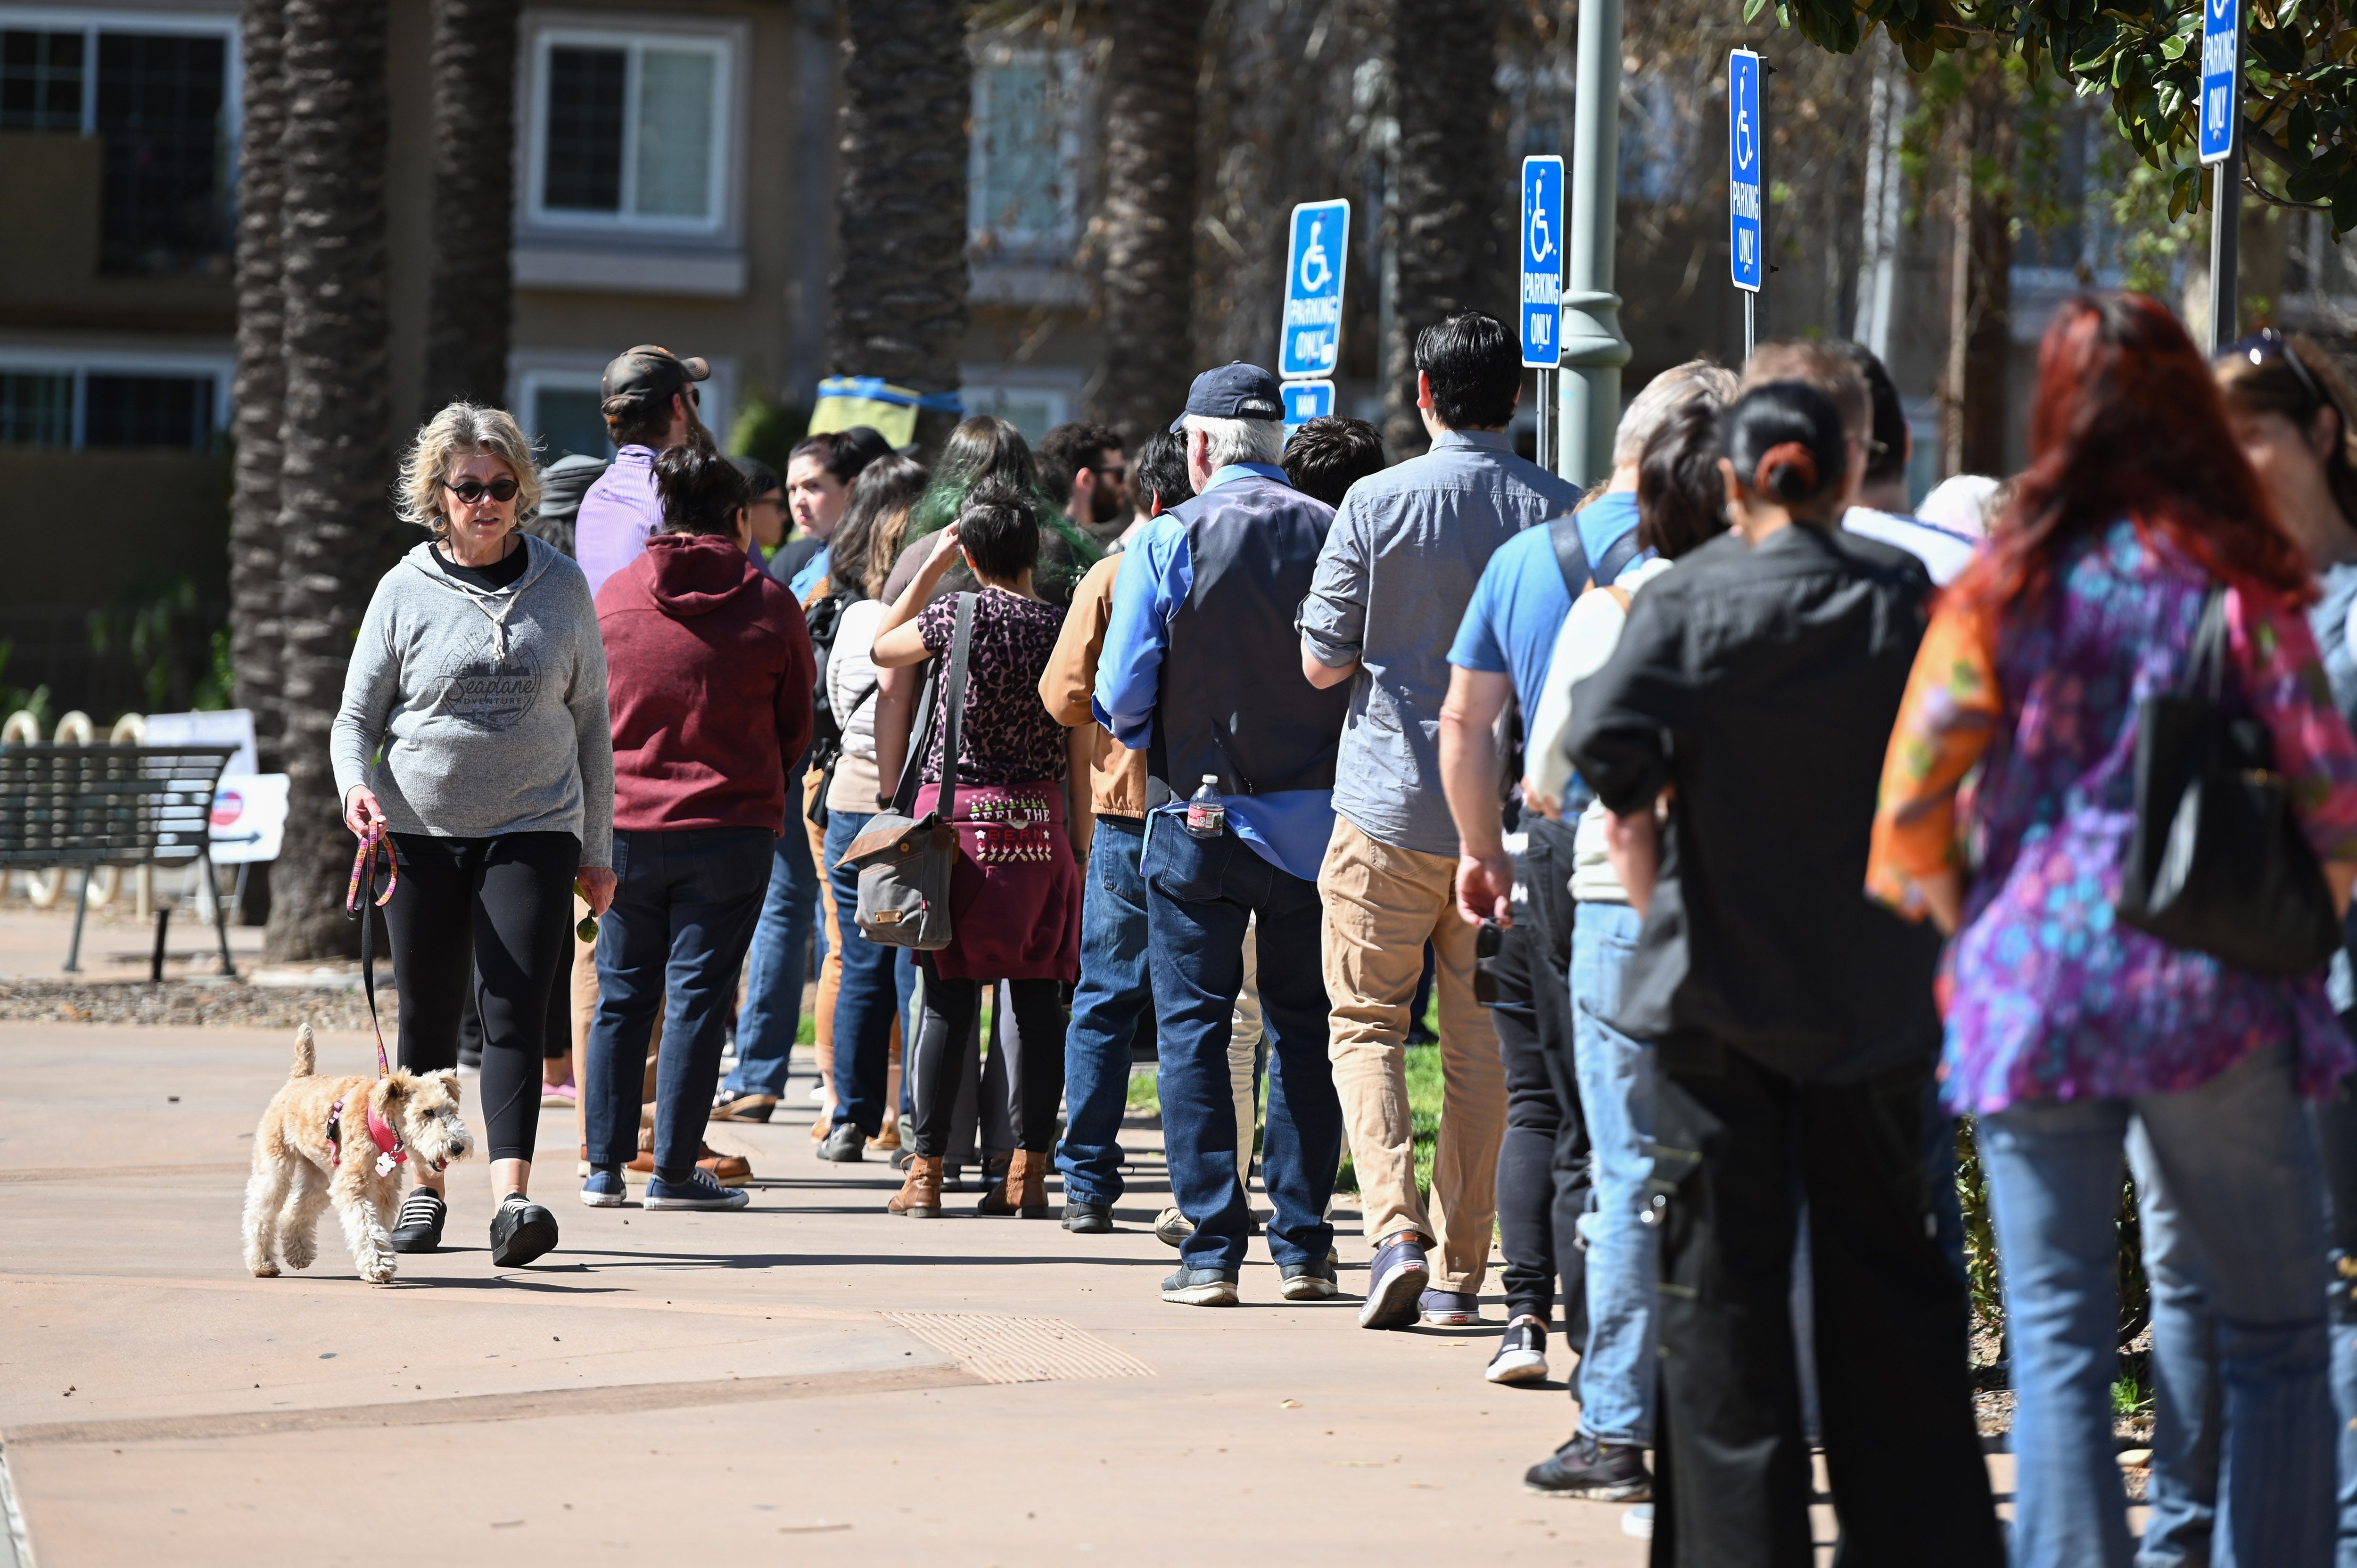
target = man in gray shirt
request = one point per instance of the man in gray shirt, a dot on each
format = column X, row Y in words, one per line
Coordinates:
column 1397, row 571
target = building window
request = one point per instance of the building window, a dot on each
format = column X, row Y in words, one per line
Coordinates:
column 1034, row 409
column 159, row 97
column 110, row 406
column 631, row 132
column 1023, row 173
column 563, row 414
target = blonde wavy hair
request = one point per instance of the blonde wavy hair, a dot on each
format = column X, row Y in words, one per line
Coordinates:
column 458, row 431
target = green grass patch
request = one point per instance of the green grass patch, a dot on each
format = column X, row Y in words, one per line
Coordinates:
column 1424, row 1088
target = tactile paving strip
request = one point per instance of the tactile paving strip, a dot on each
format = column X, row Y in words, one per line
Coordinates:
column 1020, row 1349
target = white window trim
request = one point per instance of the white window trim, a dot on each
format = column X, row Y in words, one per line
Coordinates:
column 90, row 23
column 80, row 364
column 1071, row 84
column 574, row 369
column 546, row 31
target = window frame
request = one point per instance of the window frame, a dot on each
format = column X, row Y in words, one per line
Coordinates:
column 548, row 31
column 532, row 371
column 183, row 24
column 81, row 364
column 1072, row 84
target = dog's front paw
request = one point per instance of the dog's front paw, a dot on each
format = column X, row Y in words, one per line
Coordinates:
column 301, row 1251
column 378, row 1271
column 264, row 1270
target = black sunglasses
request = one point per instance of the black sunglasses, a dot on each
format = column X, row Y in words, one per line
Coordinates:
column 2269, row 344
column 472, row 492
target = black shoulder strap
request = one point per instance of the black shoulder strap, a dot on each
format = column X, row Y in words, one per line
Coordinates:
column 945, row 699
column 1570, row 553
column 1617, row 557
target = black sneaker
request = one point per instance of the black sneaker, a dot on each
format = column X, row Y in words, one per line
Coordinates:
column 1521, row 1354
column 418, row 1227
column 1086, row 1218
column 844, row 1146
column 1201, row 1287
column 521, row 1232
column 1600, row 1472
column 1308, row 1282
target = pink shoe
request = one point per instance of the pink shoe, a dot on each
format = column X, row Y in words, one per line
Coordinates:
column 557, row 1096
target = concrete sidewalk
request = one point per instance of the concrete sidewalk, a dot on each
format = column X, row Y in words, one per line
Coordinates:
column 669, row 1385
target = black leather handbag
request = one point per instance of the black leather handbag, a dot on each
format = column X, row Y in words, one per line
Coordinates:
column 2218, row 863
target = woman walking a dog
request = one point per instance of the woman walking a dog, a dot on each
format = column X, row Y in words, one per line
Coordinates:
column 473, row 739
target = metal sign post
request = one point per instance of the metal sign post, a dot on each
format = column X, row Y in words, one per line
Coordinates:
column 1311, row 343
column 1746, row 238
column 1589, row 391
column 2222, row 119
column 1542, row 279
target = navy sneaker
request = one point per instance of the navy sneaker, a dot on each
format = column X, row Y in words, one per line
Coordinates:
column 1308, row 1282
column 605, row 1189
column 1600, row 1472
column 698, row 1191
column 1449, row 1308
column 1083, row 1218
column 1522, row 1355
column 1395, row 1281
column 1201, row 1287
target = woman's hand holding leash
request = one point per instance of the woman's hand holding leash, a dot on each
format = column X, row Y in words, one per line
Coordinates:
column 362, row 811
column 596, row 886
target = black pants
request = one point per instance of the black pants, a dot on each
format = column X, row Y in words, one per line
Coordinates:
column 506, row 903
column 937, row 1064
column 1543, row 1167
column 1743, row 1147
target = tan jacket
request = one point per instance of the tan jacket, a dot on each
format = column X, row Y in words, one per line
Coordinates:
column 1116, row 774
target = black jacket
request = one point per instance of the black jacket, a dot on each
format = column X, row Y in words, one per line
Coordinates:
column 1761, row 686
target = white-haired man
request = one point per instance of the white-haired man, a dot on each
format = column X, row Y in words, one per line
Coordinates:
column 1196, row 673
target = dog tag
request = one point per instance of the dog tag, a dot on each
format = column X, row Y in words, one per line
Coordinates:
column 384, row 1163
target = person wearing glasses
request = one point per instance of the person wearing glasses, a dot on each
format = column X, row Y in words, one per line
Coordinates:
column 650, row 405
column 473, row 735
column 1085, row 468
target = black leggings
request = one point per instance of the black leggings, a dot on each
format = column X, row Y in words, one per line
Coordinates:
column 508, row 902
column 937, row 1064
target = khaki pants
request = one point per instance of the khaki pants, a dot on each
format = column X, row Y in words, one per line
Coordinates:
column 1382, row 904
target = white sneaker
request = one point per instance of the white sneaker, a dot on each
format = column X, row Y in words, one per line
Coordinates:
column 1173, row 1227
column 1522, row 1355
column 1638, row 1522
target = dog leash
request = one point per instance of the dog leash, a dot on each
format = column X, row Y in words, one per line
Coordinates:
column 373, row 844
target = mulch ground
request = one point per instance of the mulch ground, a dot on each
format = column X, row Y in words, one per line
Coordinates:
column 221, row 1005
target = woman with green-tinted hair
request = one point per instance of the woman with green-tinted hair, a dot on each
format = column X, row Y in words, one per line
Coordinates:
column 985, row 447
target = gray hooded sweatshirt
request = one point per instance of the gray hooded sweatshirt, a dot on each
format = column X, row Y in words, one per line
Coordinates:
column 474, row 713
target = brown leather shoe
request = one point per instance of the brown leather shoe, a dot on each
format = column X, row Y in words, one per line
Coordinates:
column 745, row 1108
column 919, row 1197
column 1025, row 1190
column 728, row 1170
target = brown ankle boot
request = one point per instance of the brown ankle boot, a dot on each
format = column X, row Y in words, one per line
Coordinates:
column 919, row 1197
column 1026, row 1184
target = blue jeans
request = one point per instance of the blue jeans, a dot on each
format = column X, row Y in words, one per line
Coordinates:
column 2231, row 1195
column 772, row 1014
column 684, row 905
column 1616, row 1091
column 867, row 998
column 1199, row 893
column 1106, row 1004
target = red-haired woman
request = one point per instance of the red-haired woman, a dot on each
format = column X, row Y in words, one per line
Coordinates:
column 2070, row 1034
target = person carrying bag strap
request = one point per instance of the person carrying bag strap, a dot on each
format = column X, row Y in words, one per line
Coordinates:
column 905, row 862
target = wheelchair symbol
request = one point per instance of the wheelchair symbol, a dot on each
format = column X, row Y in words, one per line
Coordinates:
column 1542, row 240
column 1316, row 273
column 1743, row 137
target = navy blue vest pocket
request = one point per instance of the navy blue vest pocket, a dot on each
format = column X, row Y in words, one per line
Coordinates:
column 1180, row 865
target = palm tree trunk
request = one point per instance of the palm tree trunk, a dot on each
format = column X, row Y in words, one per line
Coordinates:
column 899, row 291
column 1150, row 214
column 1448, row 189
column 332, row 510
column 470, row 297
column 259, row 388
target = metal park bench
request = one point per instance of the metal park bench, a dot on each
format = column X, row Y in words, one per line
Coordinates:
column 112, row 805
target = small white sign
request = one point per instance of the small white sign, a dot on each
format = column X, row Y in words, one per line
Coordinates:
column 226, row 726
column 249, row 817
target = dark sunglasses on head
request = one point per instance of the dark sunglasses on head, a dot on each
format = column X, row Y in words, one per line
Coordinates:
column 2267, row 344
column 472, row 492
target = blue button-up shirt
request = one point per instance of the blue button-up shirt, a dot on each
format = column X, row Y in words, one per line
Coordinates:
column 1398, row 569
column 1287, row 828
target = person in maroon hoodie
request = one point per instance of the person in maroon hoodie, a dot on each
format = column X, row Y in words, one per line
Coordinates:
column 710, row 674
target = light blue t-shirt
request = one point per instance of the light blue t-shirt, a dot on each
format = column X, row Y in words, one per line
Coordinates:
column 1519, row 606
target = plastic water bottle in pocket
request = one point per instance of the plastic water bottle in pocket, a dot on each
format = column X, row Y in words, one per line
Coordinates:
column 1207, row 813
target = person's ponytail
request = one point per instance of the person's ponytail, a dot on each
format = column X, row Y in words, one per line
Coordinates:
column 1786, row 444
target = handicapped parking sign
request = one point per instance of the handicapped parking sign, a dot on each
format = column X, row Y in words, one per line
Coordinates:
column 1306, row 401
column 1541, row 262
column 1311, row 341
column 1745, row 130
column 2222, row 77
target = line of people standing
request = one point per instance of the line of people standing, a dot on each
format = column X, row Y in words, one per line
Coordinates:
column 1308, row 719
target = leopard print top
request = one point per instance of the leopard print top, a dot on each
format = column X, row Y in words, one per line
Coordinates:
column 1008, row 735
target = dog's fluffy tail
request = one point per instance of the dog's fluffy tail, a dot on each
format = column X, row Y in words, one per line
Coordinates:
column 306, row 1061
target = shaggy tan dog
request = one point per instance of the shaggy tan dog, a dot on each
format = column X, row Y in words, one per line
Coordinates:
column 309, row 1154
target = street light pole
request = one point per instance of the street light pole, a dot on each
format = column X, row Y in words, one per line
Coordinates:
column 1593, row 348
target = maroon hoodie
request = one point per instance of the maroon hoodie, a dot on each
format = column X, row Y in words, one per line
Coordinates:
column 709, row 676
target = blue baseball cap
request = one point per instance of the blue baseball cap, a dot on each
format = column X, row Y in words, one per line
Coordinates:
column 1233, row 391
